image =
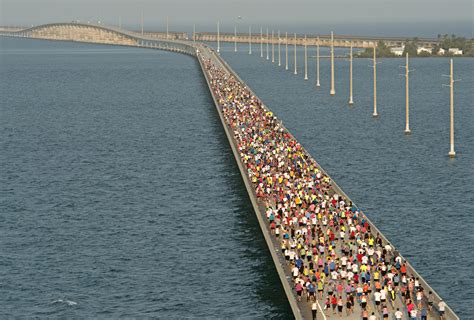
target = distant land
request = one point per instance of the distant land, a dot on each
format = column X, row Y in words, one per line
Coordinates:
column 449, row 46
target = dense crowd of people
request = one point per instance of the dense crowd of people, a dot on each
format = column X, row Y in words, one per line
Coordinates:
column 330, row 249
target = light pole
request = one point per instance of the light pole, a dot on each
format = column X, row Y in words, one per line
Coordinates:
column 407, row 97
column 333, row 89
column 279, row 49
column 273, row 47
column 268, row 58
column 286, row 50
column 296, row 71
column 250, row 39
column 451, row 153
column 375, row 114
column 317, row 63
column 351, row 101
column 305, row 59
column 218, row 36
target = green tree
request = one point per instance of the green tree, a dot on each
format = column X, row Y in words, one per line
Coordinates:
column 382, row 51
column 410, row 47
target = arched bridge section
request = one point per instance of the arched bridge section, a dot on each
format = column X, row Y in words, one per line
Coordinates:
column 90, row 33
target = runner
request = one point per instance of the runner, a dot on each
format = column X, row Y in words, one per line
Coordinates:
column 398, row 314
column 314, row 310
column 340, row 306
column 441, row 309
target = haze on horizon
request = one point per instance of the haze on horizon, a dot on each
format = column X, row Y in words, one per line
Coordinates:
column 359, row 17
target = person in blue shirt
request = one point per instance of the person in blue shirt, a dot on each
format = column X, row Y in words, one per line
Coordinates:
column 326, row 269
column 424, row 313
column 299, row 263
column 311, row 292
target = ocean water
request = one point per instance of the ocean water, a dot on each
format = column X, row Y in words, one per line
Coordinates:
column 119, row 194
column 407, row 185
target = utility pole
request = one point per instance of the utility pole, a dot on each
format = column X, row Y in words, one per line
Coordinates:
column 235, row 37
column 375, row 114
column 194, row 34
column 250, row 39
column 273, row 47
column 296, row 72
column 279, row 49
column 167, row 28
column 218, row 36
column 407, row 96
column 286, row 50
column 305, row 59
column 333, row 90
column 267, row 45
column 261, row 42
column 451, row 153
column 317, row 63
column 351, row 101
column 142, row 23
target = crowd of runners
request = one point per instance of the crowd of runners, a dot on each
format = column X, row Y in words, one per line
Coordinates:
column 328, row 244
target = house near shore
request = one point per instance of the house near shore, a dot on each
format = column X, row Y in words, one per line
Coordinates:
column 455, row 51
column 398, row 51
column 423, row 49
column 441, row 52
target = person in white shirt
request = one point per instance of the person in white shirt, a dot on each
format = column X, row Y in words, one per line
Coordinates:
column 295, row 272
column 398, row 314
column 314, row 310
column 373, row 316
column 383, row 295
column 377, row 296
column 441, row 309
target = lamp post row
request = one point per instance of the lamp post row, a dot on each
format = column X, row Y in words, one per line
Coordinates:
column 332, row 91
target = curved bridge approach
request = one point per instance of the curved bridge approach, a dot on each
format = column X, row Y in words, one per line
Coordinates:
column 92, row 33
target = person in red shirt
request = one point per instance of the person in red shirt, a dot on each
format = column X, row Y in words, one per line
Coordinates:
column 334, row 303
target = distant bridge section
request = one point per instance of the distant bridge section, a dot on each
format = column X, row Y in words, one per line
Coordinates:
column 324, row 40
column 90, row 33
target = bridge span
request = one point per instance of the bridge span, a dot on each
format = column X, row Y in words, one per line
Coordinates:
column 100, row 34
column 234, row 102
column 324, row 40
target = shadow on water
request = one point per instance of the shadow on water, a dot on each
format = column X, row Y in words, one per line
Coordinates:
column 267, row 285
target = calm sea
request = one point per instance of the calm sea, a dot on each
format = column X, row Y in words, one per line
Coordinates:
column 119, row 194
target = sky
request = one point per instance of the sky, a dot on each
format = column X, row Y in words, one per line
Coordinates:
column 359, row 17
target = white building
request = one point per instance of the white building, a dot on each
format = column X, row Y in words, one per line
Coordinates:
column 398, row 51
column 423, row 49
column 455, row 51
column 441, row 52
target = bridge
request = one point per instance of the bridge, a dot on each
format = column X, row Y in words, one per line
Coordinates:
column 94, row 33
column 311, row 39
column 242, row 114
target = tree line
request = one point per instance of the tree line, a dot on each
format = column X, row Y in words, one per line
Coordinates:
column 411, row 46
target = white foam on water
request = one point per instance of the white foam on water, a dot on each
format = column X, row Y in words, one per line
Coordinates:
column 68, row 302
